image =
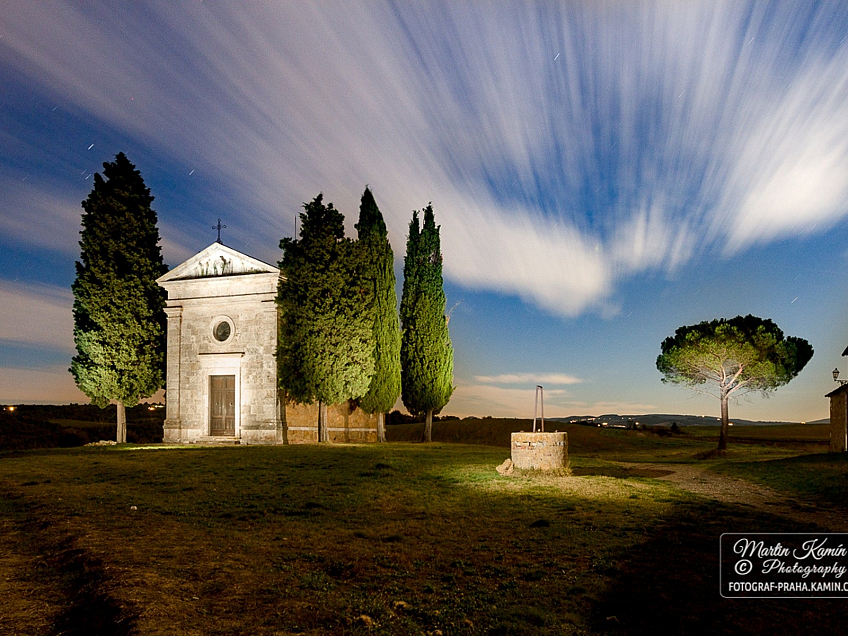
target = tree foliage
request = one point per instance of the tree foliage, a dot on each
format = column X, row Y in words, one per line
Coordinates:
column 426, row 351
column 727, row 358
column 385, row 385
column 119, row 319
column 326, row 344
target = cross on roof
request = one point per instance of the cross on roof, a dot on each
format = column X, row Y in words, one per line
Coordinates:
column 219, row 227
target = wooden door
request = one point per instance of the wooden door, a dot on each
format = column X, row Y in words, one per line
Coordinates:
column 222, row 405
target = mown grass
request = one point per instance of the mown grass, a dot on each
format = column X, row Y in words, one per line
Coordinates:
column 394, row 540
column 377, row 539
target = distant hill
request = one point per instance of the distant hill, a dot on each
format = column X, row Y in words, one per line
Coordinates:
column 659, row 419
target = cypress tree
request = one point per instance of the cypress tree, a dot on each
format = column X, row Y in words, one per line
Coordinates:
column 326, row 345
column 426, row 353
column 384, row 389
column 410, row 278
column 119, row 318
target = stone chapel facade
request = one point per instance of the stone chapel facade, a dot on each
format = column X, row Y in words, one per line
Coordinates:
column 221, row 374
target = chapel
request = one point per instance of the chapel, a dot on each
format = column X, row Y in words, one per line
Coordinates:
column 221, row 376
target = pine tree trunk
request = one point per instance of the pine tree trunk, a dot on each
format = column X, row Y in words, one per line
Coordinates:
column 428, row 426
column 722, row 438
column 121, row 435
column 323, row 433
column 381, row 427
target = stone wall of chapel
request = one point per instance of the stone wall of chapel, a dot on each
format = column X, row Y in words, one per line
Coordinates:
column 172, row 377
column 247, row 354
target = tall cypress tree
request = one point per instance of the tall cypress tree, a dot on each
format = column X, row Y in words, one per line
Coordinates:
column 426, row 353
column 326, row 345
column 384, row 389
column 410, row 278
column 119, row 318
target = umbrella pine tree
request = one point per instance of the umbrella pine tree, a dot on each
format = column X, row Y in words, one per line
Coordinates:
column 728, row 358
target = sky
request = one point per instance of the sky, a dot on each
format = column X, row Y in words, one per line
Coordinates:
column 603, row 172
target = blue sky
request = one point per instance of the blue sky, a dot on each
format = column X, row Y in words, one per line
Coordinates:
column 602, row 172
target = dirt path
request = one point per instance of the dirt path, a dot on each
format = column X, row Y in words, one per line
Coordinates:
column 741, row 492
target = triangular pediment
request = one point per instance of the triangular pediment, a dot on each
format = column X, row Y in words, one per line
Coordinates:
column 216, row 261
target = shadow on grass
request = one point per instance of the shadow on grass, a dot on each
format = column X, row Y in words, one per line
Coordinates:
column 90, row 608
column 670, row 585
column 77, row 579
column 820, row 476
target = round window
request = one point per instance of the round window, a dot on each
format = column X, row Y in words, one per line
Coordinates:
column 222, row 331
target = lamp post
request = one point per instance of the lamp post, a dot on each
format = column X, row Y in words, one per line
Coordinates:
column 836, row 378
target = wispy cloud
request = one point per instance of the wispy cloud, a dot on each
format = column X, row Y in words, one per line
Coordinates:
column 565, row 147
column 555, row 379
column 499, row 401
column 487, row 398
column 174, row 242
column 36, row 314
column 42, row 215
column 788, row 174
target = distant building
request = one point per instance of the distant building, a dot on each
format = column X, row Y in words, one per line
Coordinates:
column 222, row 381
column 839, row 419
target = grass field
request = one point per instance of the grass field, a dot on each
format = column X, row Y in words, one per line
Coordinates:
column 612, row 443
column 397, row 538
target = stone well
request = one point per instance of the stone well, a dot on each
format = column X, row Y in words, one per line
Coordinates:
column 540, row 451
